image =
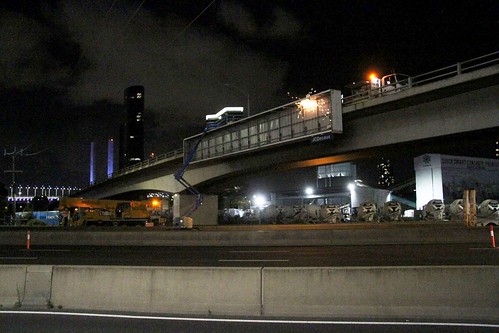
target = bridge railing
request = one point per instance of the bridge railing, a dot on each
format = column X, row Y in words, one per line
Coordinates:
column 171, row 155
column 457, row 69
column 421, row 79
column 150, row 162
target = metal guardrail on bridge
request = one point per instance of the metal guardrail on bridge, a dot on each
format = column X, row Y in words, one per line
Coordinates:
column 150, row 162
column 171, row 155
column 422, row 79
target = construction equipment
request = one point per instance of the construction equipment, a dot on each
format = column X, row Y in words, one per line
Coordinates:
column 331, row 213
column 489, row 209
column 179, row 176
column 434, row 210
column 367, row 211
column 392, row 211
column 221, row 118
column 456, row 210
column 103, row 212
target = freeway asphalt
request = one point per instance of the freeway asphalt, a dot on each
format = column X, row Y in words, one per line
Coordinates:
column 369, row 244
column 277, row 256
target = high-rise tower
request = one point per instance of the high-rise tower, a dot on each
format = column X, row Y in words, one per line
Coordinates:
column 92, row 163
column 385, row 173
column 132, row 128
column 110, row 158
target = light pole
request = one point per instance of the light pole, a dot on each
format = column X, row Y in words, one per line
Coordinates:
column 243, row 92
column 13, row 171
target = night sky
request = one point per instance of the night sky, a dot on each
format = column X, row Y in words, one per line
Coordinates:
column 65, row 64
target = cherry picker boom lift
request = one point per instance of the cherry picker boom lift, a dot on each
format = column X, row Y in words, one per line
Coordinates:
column 179, row 176
column 223, row 117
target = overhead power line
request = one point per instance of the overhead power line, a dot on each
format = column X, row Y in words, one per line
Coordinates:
column 135, row 13
column 13, row 171
column 188, row 26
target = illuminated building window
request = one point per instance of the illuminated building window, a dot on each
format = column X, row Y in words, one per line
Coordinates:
column 334, row 175
column 385, row 173
column 131, row 130
column 334, row 170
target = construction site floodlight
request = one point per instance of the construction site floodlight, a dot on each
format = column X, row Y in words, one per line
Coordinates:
column 309, row 191
column 259, row 200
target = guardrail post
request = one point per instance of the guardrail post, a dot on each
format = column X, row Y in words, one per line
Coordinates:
column 492, row 236
column 458, row 68
column 469, row 207
column 466, row 207
column 28, row 239
column 472, row 203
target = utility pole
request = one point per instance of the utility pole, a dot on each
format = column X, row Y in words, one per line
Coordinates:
column 13, row 171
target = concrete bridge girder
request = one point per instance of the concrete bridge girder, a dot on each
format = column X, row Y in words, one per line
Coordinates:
column 461, row 113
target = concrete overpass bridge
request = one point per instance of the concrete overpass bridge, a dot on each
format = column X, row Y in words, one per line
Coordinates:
column 455, row 100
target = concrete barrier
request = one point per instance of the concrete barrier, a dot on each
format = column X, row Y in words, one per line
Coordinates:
column 37, row 291
column 12, row 283
column 454, row 292
column 442, row 292
column 259, row 236
column 217, row 291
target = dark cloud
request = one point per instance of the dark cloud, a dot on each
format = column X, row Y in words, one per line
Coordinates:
column 279, row 23
column 26, row 60
column 140, row 51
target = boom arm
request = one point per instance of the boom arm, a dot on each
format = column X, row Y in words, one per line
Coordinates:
column 179, row 175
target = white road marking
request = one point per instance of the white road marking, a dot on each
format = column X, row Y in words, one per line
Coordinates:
column 253, row 260
column 45, row 250
column 269, row 251
column 270, row 321
column 18, row 258
column 484, row 248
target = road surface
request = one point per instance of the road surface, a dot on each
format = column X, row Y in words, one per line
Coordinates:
column 13, row 322
column 295, row 256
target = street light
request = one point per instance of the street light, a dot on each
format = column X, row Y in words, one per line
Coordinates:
column 241, row 91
